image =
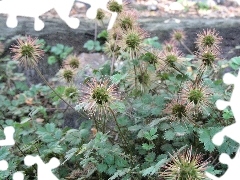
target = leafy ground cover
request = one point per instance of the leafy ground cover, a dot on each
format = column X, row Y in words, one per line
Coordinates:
column 149, row 111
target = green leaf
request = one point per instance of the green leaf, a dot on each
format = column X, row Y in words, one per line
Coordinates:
column 58, row 49
column 109, row 159
column 58, row 134
column 111, row 170
column 89, row 45
column 119, row 173
column 153, row 169
column 206, row 139
column 153, row 131
column 102, row 167
column 103, row 34
column 147, row 147
column 169, row 135
column 135, row 128
column 116, row 78
column 120, row 162
column 52, row 60
column 119, row 106
column 50, row 127
column 235, row 63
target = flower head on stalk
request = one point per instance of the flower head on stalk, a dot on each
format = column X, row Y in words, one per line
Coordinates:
column 72, row 61
column 71, row 93
column 143, row 80
column 114, row 6
column 112, row 49
column 98, row 95
column 185, row 165
column 208, row 56
column 67, row 74
column 127, row 19
column 178, row 36
column 151, row 57
column 208, row 38
column 197, row 95
column 27, row 51
column 169, row 45
column 177, row 109
column 100, row 15
column 170, row 59
column 132, row 41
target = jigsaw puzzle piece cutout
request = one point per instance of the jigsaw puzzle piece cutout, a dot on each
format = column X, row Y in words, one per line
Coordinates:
column 44, row 171
column 3, row 165
column 232, row 130
column 9, row 140
column 18, row 176
column 36, row 8
column 233, row 171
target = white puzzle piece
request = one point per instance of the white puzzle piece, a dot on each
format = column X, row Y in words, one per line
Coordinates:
column 18, row 176
column 8, row 132
column 44, row 171
column 8, row 141
column 36, row 8
column 231, row 131
column 3, row 165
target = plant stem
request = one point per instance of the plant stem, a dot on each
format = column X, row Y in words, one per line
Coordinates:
column 43, row 78
column 121, row 134
column 95, row 31
column 183, row 44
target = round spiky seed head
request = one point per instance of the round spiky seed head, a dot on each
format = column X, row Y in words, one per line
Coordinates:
column 27, row 51
column 132, row 41
column 114, row 6
column 71, row 93
column 208, row 39
column 171, row 59
column 151, row 57
column 178, row 35
column 72, row 61
column 169, row 45
column 127, row 20
column 208, row 56
column 112, row 49
column 100, row 15
column 98, row 95
column 185, row 165
column 197, row 95
column 67, row 74
column 177, row 109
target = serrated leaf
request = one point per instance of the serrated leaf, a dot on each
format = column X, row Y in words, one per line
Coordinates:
column 102, row 167
column 153, row 131
column 206, row 139
column 118, row 106
column 119, row 173
column 135, row 128
column 50, row 127
column 111, row 170
column 153, row 169
column 116, row 78
column 169, row 135
column 58, row 134
column 147, row 147
column 109, row 159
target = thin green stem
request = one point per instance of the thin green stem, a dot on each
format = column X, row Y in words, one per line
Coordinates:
column 121, row 134
column 46, row 82
column 95, row 31
column 184, row 45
